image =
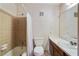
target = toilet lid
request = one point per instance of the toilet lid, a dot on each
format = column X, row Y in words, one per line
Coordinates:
column 39, row 50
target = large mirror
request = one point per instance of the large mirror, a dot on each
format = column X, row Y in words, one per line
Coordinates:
column 68, row 24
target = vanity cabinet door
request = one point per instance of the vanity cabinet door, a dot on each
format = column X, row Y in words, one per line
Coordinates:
column 65, row 54
column 55, row 50
column 56, row 53
column 51, row 49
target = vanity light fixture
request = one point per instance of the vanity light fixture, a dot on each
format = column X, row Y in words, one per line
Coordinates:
column 70, row 5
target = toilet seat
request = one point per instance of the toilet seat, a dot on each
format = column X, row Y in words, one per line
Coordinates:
column 38, row 51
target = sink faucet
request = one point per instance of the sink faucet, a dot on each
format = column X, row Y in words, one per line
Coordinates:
column 73, row 43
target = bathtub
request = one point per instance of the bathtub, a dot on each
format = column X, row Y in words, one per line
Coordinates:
column 17, row 51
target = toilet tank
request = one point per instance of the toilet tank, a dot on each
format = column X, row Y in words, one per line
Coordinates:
column 39, row 41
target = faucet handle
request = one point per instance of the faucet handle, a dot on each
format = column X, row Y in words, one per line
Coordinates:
column 75, row 43
column 71, row 43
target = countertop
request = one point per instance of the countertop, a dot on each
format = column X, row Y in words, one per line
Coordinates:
column 63, row 45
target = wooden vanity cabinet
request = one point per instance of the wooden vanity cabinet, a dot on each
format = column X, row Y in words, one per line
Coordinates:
column 55, row 50
column 51, row 49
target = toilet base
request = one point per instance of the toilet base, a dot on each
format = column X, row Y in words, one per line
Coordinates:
column 38, row 51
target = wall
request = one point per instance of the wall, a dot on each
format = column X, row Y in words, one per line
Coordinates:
column 42, row 25
column 68, row 23
column 9, row 7
column 5, row 32
column 19, row 31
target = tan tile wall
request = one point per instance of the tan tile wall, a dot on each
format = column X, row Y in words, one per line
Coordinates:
column 19, row 31
column 5, row 31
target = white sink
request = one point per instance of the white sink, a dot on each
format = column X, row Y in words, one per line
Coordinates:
column 67, row 44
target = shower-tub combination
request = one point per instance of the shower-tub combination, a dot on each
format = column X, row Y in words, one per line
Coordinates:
column 13, row 35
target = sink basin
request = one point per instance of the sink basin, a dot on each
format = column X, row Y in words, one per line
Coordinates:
column 67, row 44
column 71, row 46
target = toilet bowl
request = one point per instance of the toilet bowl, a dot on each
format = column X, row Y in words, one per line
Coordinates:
column 38, row 50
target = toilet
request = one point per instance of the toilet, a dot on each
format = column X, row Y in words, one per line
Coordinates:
column 38, row 50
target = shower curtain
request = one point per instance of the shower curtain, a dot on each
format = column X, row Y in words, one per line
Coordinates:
column 29, row 35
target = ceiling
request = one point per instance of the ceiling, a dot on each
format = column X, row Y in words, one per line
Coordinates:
column 41, row 4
